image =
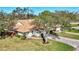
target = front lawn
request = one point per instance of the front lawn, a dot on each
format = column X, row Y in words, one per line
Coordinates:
column 74, row 25
column 73, row 36
column 73, row 31
column 16, row 44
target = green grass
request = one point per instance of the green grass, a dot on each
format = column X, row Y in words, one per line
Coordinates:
column 72, row 30
column 74, row 25
column 16, row 44
column 73, row 36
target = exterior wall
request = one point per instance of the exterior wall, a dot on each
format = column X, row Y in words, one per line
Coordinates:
column 58, row 29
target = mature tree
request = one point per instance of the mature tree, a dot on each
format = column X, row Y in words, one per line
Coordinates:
column 6, row 20
column 3, row 20
column 44, row 20
column 49, row 20
column 66, row 17
column 23, row 13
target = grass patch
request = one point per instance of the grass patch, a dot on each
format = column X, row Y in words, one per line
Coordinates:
column 16, row 44
column 73, row 36
column 73, row 30
column 74, row 25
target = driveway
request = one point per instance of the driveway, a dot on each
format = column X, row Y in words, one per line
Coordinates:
column 69, row 41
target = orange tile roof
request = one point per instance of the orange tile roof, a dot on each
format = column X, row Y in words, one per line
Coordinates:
column 24, row 25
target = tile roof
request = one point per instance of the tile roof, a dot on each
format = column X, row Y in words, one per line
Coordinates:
column 24, row 25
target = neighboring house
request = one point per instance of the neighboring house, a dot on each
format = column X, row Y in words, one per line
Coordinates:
column 77, row 28
column 57, row 28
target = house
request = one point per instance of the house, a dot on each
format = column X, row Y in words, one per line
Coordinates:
column 75, row 23
column 57, row 28
column 27, row 27
column 77, row 27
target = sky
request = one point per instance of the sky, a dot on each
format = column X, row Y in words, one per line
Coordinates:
column 37, row 10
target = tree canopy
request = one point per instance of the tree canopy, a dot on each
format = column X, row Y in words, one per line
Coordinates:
column 49, row 20
column 45, row 19
column 8, row 20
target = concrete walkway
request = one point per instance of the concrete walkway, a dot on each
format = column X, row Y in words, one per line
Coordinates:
column 71, row 42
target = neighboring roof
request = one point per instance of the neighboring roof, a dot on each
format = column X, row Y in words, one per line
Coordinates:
column 24, row 25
